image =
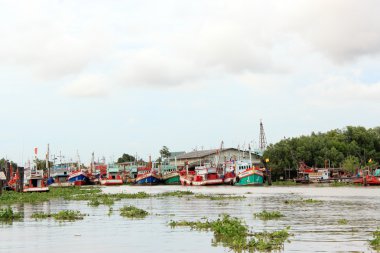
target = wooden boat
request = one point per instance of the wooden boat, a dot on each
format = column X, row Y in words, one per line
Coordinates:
column 229, row 175
column 246, row 174
column 148, row 176
column 113, row 176
column 369, row 179
column 36, row 183
column 59, row 175
column 169, row 175
column 79, row 177
column 206, row 175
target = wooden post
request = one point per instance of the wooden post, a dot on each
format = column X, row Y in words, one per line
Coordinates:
column 20, row 181
column 7, row 170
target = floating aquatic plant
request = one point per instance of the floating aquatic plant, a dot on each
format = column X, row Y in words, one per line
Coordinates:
column 232, row 232
column 219, row 197
column 342, row 222
column 133, row 212
column 64, row 215
column 375, row 242
column 7, row 214
column 265, row 215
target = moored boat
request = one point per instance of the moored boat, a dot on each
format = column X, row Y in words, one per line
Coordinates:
column 79, row 177
column 148, row 176
column 206, row 175
column 36, row 183
column 113, row 176
column 170, row 175
column 248, row 174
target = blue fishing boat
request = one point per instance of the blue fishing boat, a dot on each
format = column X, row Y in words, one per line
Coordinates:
column 148, row 176
column 79, row 177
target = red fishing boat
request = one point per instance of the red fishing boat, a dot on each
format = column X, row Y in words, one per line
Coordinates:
column 206, row 175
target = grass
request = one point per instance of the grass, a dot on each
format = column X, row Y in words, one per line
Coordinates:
column 7, row 214
column 302, row 201
column 69, row 193
column 232, row 233
column 64, row 215
column 175, row 194
column 218, row 197
column 133, row 212
column 375, row 242
column 342, row 222
column 265, row 215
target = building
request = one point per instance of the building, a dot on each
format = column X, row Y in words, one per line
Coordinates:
column 212, row 156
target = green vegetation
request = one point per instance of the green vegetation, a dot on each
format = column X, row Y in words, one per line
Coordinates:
column 175, row 194
column 375, row 242
column 265, row 215
column 231, row 232
column 126, row 158
column 338, row 147
column 64, row 215
column 351, row 164
column 70, row 193
column 7, row 214
column 101, row 199
column 342, row 222
column 133, row 212
column 219, row 197
column 302, row 201
column 41, row 215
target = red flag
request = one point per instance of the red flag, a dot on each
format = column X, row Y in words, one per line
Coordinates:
column 35, row 151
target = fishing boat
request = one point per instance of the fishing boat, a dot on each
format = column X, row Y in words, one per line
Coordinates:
column 169, row 174
column 59, row 175
column 368, row 179
column 246, row 174
column 229, row 175
column 79, row 177
column 112, row 177
column 147, row 175
column 36, row 183
column 206, row 175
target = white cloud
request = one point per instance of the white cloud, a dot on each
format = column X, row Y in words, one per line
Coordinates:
column 87, row 86
column 341, row 91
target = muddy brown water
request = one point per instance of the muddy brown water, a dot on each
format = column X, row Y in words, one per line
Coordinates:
column 314, row 226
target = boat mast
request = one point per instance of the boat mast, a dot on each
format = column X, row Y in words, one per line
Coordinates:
column 47, row 161
column 92, row 161
column 78, row 161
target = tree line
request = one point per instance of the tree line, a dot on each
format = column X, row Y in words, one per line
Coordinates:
column 349, row 148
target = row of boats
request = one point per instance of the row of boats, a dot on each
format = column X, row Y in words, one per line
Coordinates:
column 239, row 173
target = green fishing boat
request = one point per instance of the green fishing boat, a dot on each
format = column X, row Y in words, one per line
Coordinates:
column 246, row 174
column 169, row 174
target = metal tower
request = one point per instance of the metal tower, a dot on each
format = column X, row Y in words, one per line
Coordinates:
column 263, row 139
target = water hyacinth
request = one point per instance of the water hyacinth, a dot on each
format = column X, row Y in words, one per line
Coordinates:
column 232, row 232
column 265, row 215
column 133, row 212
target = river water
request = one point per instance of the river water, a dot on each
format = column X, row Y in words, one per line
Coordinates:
column 314, row 226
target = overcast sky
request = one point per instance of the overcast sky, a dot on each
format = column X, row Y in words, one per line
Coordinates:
column 132, row 76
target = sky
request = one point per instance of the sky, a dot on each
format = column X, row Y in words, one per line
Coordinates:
column 114, row 77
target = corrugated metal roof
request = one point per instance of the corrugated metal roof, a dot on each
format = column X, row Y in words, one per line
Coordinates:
column 196, row 154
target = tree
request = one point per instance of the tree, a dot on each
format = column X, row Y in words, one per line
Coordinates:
column 351, row 164
column 126, row 158
column 164, row 152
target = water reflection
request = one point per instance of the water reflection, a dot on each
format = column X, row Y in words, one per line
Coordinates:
column 314, row 225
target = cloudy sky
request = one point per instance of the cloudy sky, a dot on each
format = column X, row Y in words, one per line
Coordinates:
column 132, row 76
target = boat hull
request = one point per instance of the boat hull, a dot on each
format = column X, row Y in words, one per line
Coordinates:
column 110, row 182
column 171, row 179
column 78, row 179
column 148, row 179
column 185, row 180
column 218, row 181
column 251, row 178
column 36, row 189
